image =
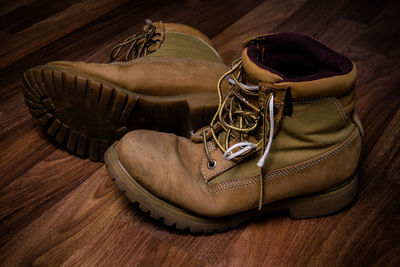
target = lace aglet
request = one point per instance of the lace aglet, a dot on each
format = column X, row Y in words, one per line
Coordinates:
column 260, row 203
column 261, row 198
column 260, row 163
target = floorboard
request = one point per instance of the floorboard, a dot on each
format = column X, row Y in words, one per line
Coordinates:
column 58, row 209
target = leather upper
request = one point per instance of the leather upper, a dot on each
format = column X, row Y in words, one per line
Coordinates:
column 174, row 168
column 157, row 76
column 184, row 63
column 316, row 147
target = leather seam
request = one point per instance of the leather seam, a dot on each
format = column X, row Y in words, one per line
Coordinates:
column 163, row 59
column 300, row 167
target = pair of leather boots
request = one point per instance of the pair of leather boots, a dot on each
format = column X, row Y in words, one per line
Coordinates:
column 277, row 130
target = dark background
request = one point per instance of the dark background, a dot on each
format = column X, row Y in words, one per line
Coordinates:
column 56, row 208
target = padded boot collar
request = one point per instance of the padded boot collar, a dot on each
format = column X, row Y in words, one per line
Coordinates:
column 308, row 67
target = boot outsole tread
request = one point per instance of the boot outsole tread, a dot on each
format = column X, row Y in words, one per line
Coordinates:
column 64, row 103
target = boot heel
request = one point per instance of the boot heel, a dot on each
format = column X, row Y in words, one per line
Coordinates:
column 324, row 203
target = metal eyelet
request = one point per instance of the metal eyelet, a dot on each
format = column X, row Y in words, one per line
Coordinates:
column 212, row 164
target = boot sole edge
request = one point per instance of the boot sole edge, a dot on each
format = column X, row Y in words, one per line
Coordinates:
column 309, row 206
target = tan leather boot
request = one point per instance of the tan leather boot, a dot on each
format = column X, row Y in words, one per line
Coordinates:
column 285, row 137
column 163, row 79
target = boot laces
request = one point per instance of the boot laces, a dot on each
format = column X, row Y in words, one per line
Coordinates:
column 246, row 146
column 139, row 44
column 237, row 118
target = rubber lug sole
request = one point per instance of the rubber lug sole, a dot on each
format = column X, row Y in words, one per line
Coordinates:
column 308, row 206
column 86, row 114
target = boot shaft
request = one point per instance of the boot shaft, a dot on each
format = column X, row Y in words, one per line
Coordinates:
column 310, row 69
column 171, row 40
column 180, row 40
column 313, row 106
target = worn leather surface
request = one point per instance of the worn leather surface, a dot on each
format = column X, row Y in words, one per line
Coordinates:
column 157, row 76
column 316, row 147
column 185, row 63
column 169, row 167
column 175, row 168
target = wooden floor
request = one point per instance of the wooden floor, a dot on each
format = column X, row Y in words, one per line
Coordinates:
column 58, row 209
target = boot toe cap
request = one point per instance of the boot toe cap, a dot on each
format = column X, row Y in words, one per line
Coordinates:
column 163, row 163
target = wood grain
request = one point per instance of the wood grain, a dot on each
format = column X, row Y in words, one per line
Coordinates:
column 58, row 209
column 27, row 196
column 9, row 6
column 94, row 41
column 52, row 28
column 261, row 19
column 69, row 224
column 31, row 12
column 123, row 242
column 382, row 34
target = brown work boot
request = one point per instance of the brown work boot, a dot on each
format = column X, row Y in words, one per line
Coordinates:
column 163, row 79
column 285, row 137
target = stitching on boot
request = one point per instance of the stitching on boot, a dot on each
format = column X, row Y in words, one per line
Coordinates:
column 236, row 184
column 211, row 146
column 157, row 59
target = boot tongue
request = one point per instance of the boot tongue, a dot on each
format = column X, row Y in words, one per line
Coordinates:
column 253, row 65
